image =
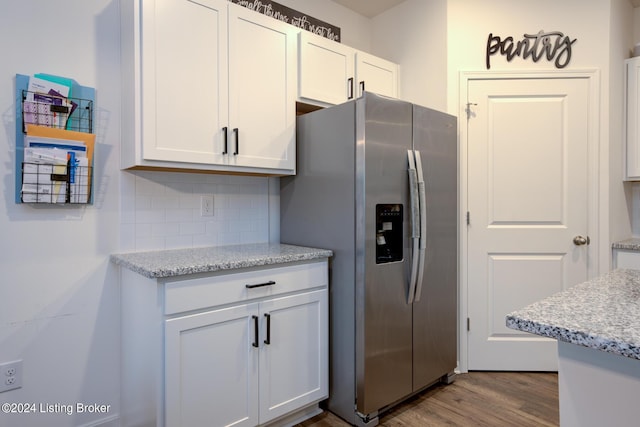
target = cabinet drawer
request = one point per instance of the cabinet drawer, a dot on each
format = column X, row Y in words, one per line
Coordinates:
column 626, row 259
column 227, row 288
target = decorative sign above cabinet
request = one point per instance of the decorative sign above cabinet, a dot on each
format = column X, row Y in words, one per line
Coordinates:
column 293, row 17
column 553, row 45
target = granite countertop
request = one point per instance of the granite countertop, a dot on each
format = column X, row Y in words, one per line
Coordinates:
column 177, row 262
column 632, row 244
column 602, row 313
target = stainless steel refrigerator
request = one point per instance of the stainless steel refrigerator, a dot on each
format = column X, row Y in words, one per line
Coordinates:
column 377, row 183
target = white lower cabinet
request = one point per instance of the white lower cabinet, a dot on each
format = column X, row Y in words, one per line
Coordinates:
column 623, row 258
column 246, row 365
column 211, row 371
column 242, row 349
column 293, row 356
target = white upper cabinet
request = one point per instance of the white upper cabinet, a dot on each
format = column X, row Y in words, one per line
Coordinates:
column 326, row 69
column 262, row 91
column 184, row 98
column 632, row 157
column 376, row 75
column 330, row 73
column 207, row 85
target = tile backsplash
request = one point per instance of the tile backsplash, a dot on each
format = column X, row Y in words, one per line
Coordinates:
column 161, row 210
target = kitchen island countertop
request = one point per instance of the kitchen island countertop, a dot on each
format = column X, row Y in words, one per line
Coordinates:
column 602, row 313
column 632, row 244
column 177, row 262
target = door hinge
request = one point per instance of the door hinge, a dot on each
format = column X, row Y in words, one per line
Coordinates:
column 468, row 109
column 468, row 324
column 468, row 218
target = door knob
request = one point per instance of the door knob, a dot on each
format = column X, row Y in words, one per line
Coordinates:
column 579, row 240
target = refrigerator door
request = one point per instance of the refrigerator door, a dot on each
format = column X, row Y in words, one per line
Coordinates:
column 435, row 306
column 383, row 317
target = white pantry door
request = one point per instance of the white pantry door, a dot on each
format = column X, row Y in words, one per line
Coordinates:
column 527, row 171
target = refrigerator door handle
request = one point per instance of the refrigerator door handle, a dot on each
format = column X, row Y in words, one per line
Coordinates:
column 415, row 224
column 422, row 198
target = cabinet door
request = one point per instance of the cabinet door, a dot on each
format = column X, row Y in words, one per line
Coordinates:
column 211, row 368
column 325, row 69
column 184, row 80
column 376, row 75
column 262, row 85
column 294, row 362
column 633, row 120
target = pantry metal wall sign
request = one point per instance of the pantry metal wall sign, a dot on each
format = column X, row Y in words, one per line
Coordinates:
column 552, row 46
column 293, row 17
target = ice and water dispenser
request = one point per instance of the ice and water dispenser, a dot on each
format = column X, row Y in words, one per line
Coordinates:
column 388, row 233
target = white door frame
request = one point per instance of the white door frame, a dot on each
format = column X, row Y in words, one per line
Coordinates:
column 593, row 223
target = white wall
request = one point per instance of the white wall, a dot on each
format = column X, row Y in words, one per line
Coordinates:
column 58, row 291
column 470, row 23
column 355, row 28
column 414, row 34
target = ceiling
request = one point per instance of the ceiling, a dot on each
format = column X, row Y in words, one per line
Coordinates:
column 371, row 8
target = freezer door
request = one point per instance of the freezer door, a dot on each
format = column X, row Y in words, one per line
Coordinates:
column 383, row 317
column 435, row 311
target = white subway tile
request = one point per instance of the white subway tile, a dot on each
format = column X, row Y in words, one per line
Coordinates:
column 143, row 230
column 150, row 216
column 165, row 229
column 164, row 210
column 149, row 243
column 179, row 215
column 176, row 242
column 192, row 228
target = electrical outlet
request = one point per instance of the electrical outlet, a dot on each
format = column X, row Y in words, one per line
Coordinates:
column 206, row 205
column 10, row 375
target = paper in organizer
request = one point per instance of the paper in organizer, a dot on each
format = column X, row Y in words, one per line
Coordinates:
column 48, row 164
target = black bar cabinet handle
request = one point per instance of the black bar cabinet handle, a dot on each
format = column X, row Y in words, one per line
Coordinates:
column 226, row 140
column 268, row 340
column 235, row 131
column 255, row 326
column 361, row 87
column 350, row 87
column 259, row 285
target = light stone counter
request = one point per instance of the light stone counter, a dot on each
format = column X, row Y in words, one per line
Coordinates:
column 177, row 262
column 632, row 244
column 603, row 313
column 597, row 325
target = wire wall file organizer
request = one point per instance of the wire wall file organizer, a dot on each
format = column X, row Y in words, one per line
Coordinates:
column 56, row 112
column 48, row 183
column 55, row 140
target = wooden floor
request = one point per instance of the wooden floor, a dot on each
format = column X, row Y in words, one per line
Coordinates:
column 491, row 399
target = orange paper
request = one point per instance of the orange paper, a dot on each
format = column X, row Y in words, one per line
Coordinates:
column 89, row 139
